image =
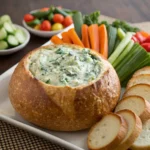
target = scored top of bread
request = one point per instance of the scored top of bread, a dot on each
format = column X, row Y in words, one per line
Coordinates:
column 137, row 104
column 144, row 70
column 142, row 90
column 139, row 79
column 134, row 128
column 107, row 133
column 143, row 141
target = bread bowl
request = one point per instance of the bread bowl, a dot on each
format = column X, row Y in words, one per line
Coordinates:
column 63, row 106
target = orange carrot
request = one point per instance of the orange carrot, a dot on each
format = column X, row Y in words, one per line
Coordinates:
column 74, row 37
column 103, row 40
column 145, row 34
column 94, row 37
column 56, row 40
column 65, row 37
column 85, row 36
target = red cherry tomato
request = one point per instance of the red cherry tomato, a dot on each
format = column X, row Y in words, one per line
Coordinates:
column 44, row 9
column 140, row 37
column 68, row 21
column 45, row 26
column 58, row 18
column 146, row 46
column 28, row 18
column 135, row 39
column 147, row 40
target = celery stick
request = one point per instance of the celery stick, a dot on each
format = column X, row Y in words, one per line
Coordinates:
column 121, row 33
column 125, row 52
column 120, row 48
column 138, row 56
column 128, row 57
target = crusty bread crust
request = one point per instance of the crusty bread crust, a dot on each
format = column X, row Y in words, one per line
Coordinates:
column 117, row 140
column 144, row 70
column 63, row 108
column 139, row 79
column 145, row 115
column 136, row 132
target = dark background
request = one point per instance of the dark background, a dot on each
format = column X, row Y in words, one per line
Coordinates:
column 129, row 10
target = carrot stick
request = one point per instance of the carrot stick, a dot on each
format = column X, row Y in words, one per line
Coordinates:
column 145, row 34
column 74, row 37
column 94, row 37
column 85, row 36
column 66, row 38
column 103, row 40
column 56, row 40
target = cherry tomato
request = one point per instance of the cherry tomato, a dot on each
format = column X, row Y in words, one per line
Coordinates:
column 44, row 9
column 147, row 40
column 28, row 18
column 68, row 21
column 37, row 27
column 57, row 26
column 140, row 37
column 135, row 39
column 45, row 26
column 58, row 18
column 146, row 46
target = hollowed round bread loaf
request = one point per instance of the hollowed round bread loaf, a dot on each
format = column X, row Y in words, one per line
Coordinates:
column 72, row 105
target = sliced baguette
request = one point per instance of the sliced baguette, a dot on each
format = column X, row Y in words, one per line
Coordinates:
column 134, row 129
column 143, row 78
column 143, row 141
column 142, row 90
column 107, row 133
column 137, row 104
column 144, row 70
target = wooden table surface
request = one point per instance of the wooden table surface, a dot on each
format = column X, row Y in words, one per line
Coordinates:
column 129, row 10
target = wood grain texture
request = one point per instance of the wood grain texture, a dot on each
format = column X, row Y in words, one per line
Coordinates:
column 129, row 10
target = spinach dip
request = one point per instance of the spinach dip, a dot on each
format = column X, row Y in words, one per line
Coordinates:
column 65, row 66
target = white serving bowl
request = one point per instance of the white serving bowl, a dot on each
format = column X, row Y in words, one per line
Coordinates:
column 45, row 34
column 19, row 47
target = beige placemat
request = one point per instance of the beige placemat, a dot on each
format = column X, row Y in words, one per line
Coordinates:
column 12, row 138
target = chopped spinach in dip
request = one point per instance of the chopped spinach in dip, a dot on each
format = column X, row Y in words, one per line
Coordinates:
column 62, row 65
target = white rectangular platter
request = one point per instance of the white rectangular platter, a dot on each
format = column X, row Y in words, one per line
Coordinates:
column 70, row 140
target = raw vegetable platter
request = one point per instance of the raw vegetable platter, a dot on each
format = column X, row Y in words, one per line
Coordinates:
column 72, row 140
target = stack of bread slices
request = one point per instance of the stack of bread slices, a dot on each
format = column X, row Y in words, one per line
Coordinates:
column 129, row 126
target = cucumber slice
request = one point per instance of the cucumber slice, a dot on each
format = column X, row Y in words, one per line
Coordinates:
column 9, row 27
column 3, row 45
column 3, row 34
column 12, row 40
column 5, row 18
column 20, row 36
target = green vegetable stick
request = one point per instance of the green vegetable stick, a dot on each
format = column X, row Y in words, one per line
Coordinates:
column 125, row 52
column 121, row 33
column 78, row 22
column 120, row 48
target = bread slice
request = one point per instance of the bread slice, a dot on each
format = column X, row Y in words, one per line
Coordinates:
column 143, row 78
column 107, row 133
column 144, row 70
column 134, row 129
column 142, row 90
column 143, row 141
column 137, row 104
